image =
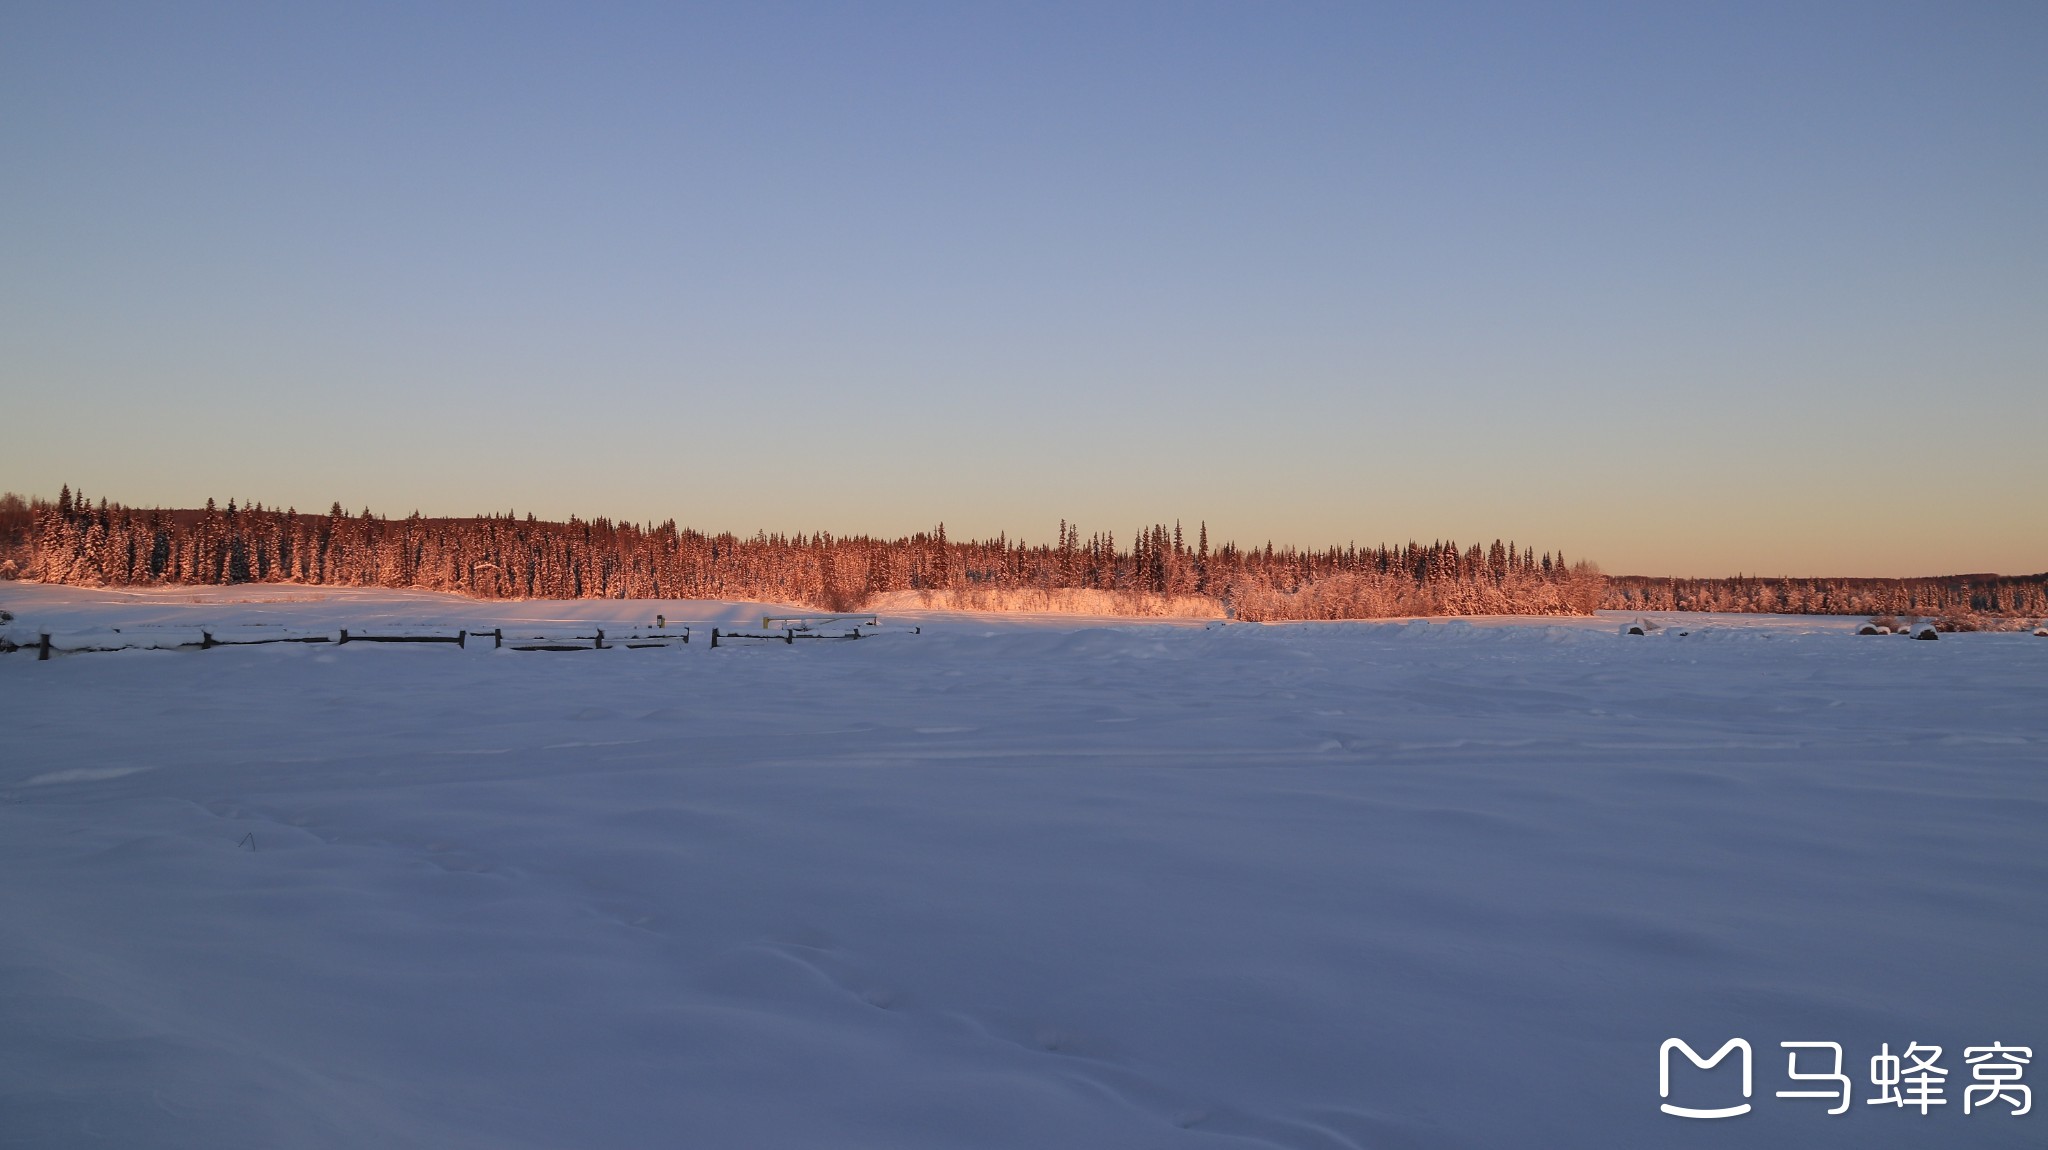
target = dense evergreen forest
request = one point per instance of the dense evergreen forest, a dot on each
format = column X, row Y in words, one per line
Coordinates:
column 1157, row 570
column 1965, row 600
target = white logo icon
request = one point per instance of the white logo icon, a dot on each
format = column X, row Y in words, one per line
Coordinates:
column 1664, row 1076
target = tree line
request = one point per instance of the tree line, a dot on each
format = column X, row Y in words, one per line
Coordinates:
column 506, row 556
column 1157, row 569
column 1960, row 599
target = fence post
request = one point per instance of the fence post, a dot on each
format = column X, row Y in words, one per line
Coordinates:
column 462, row 639
column 497, row 638
column 206, row 640
column 344, row 636
column 600, row 639
column 714, row 638
column 789, row 635
column 686, row 636
column 43, row 649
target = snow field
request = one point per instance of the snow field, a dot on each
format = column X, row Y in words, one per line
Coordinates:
column 1005, row 883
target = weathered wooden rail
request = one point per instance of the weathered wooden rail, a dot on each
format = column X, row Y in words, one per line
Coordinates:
column 807, row 622
column 789, row 635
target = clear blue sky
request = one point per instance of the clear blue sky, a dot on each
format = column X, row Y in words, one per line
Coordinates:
column 1680, row 288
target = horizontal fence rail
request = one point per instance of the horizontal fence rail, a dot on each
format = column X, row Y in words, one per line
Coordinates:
column 460, row 638
column 806, row 622
column 789, row 636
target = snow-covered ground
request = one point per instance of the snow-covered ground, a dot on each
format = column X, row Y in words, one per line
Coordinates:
column 1005, row 882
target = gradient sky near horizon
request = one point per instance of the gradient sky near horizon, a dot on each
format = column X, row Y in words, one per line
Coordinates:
column 1684, row 289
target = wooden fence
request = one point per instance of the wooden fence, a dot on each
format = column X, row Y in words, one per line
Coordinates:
column 597, row 641
column 44, row 648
